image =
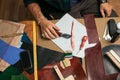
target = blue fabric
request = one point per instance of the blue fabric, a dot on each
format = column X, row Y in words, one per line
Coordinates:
column 9, row 53
column 26, row 39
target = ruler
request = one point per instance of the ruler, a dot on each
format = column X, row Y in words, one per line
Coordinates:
column 35, row 51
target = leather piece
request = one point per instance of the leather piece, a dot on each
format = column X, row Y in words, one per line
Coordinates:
column 91, row 28
column 19, row 77
column 48, row 73
column 6, row 75
column 110, row 67
column 94, row 63
column 93, row 56
column 10, row 28
column 112, row 77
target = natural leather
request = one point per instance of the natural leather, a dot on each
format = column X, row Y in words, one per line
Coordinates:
column 93, row 56
column 48, row 73
column 91, row 28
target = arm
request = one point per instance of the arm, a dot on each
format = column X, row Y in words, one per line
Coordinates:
column 105, row 8
column 48, row 29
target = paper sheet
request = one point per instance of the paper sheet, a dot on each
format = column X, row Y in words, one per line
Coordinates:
column 65, row 24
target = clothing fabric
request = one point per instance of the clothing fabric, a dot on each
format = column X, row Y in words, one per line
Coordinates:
column 57, row 8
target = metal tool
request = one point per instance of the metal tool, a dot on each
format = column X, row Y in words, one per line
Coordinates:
column 64, row 35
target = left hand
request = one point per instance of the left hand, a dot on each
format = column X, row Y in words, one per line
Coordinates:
column 105, row 9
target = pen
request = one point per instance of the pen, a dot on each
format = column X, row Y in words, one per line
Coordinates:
column 84, row 39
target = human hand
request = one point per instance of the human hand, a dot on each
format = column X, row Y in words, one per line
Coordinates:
column 48, row 29
column 105, row 9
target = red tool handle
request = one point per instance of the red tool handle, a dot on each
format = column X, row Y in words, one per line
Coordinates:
column 84, row 39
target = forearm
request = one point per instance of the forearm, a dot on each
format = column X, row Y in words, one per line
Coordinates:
column 35, row 9
column 48, row 29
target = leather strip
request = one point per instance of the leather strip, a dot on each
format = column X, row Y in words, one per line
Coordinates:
column 94, row 63
column 93, row 56
column 91, row 28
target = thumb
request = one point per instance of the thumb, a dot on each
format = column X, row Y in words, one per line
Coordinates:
column 102, row 13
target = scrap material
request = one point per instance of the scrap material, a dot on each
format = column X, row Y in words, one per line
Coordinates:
column 11, row 32
column 58, row 72
column 19, row 77
column 113, row 59
column 61, row 76
column 3, row 65
column 115, row 55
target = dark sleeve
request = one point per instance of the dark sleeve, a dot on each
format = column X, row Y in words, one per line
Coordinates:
column 27, row 2
column 102, row 1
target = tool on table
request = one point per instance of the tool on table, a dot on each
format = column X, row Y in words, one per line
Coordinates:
column 84, row 39
column 111, row 32
column 35, row 51
column 64, row 35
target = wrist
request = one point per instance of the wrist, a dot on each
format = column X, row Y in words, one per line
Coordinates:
column 103, row 1
column 40, row 20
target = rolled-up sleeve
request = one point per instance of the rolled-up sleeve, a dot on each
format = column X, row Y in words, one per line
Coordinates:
column 27, row 2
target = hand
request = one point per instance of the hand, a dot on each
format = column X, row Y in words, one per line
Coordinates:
column 105, row 9
column 48, row 29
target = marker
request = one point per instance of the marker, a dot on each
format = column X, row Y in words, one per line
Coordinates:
column 84, row 39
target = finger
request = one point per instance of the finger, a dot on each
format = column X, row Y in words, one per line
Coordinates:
column 102, row 13
column 108, row 12
column 45, row 35
column 56, row 28
column 50, row 34
column 54, row 32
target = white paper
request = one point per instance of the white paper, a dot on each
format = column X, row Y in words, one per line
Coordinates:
column 65, row 24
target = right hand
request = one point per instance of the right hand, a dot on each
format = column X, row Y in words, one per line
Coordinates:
column 105, row 9
column 48, row 29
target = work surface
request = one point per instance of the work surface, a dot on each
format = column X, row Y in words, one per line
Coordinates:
column 100, row 23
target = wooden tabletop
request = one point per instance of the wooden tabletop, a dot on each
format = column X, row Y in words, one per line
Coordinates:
column 100, row 23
